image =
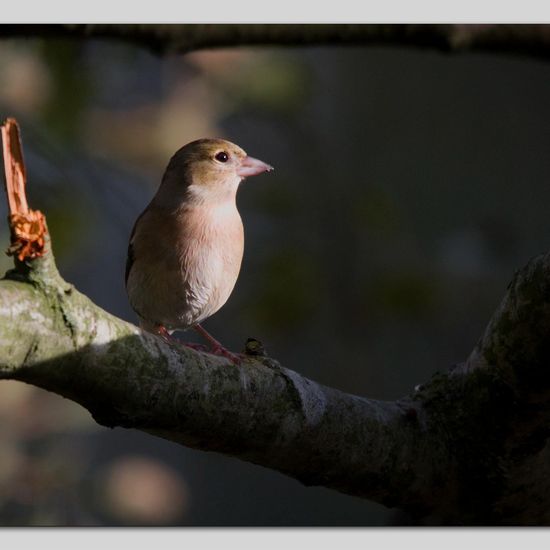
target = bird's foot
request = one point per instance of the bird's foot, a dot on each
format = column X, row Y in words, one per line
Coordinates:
column 224, row 352
column 196, row 347
column 216, row 348
column 163, row 332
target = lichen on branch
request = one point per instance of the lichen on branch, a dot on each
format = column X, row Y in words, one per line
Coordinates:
column 471, row 446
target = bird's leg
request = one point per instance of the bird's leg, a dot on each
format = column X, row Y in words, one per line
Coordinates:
column 163, row 332
column 192, row 345
column 215, row 347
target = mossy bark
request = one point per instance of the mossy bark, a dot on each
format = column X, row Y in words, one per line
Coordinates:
column 468, row 447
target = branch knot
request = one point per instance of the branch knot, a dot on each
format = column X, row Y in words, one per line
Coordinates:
column 28, row 232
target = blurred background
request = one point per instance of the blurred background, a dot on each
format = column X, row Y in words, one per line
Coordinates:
column 409, row 186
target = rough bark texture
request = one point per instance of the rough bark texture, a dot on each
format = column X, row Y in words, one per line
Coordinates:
column 469, row 447
column 532, row 40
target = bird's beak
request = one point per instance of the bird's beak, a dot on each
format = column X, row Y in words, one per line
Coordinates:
column 252, row 167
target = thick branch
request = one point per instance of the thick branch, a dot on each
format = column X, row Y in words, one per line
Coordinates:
column 471, row 446
column 55, row 338
column 446, row 453
column 533, row 40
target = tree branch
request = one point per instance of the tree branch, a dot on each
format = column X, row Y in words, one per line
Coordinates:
column 55, row 338
column 470, row 446
column 258, row 411
column 531, row 40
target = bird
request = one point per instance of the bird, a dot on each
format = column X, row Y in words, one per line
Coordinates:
column 186, row 247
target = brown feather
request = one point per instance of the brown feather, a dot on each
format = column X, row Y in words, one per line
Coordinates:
column 186, row 248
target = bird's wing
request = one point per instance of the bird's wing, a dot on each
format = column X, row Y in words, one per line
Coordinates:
column 130, row 256
column 129, row 262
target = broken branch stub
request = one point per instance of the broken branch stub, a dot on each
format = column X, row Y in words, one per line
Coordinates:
column 27, row 227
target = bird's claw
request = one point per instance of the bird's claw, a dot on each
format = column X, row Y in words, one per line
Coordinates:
column 169, row 339
column 223, row 352
column 196, row 347
column 215, row 347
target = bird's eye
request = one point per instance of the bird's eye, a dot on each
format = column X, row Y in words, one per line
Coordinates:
column 222, row 156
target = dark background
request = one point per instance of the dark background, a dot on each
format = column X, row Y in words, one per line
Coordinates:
column 409, row 186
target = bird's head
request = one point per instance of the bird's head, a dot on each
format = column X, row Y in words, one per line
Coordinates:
column 210, row 169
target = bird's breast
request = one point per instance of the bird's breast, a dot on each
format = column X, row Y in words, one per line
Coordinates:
column 185, row 264
column 210, row 249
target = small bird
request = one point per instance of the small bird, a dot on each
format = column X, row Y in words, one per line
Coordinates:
column 186, row 247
